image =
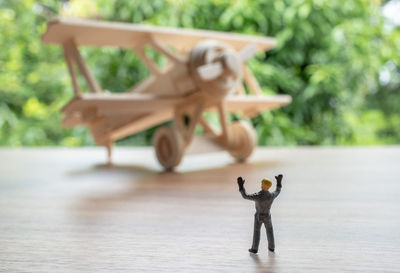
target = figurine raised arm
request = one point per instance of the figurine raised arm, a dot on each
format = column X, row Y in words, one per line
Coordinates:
column 263, row 201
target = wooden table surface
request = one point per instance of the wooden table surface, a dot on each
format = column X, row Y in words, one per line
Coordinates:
column 61, row 210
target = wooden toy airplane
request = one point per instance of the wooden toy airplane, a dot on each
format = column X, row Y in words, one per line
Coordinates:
column 204, row 73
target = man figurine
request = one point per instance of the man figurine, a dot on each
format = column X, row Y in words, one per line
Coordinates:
column 263, row 201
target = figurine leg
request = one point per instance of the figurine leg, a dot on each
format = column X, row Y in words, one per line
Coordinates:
column 256, row 234
column 270, row 234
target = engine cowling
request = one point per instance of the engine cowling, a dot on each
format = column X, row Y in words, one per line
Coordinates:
column 216, row 68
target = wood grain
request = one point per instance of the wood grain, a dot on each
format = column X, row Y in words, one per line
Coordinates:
column 61, row 210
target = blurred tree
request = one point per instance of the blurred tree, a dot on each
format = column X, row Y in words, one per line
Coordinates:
column 338, row 60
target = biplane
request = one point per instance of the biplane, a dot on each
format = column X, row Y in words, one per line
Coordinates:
column 206, row 71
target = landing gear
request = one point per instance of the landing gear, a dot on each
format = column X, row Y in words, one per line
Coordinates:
column 170, row 142
column 243, row 140
column 169, row 146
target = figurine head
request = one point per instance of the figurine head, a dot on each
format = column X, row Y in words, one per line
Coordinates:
column 266, row 184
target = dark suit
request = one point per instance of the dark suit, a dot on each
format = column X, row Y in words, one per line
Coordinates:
column 263, row 201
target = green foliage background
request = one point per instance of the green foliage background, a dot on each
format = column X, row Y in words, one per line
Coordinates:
column 337, row 59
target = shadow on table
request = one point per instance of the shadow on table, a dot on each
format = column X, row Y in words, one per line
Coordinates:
column 114, row 168
column 264, row 264
column 141, row 169
column 142, row 182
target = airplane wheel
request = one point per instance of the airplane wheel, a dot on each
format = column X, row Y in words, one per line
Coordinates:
column 244, row 139
column 169, row 146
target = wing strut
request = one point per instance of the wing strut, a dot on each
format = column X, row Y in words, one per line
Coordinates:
column 72, row 55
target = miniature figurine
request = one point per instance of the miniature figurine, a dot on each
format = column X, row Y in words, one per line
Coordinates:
column 263, row 201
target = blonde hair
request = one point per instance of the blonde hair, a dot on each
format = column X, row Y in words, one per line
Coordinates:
column 266, row 182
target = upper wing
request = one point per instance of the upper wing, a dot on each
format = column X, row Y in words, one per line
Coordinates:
column 100, row 33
